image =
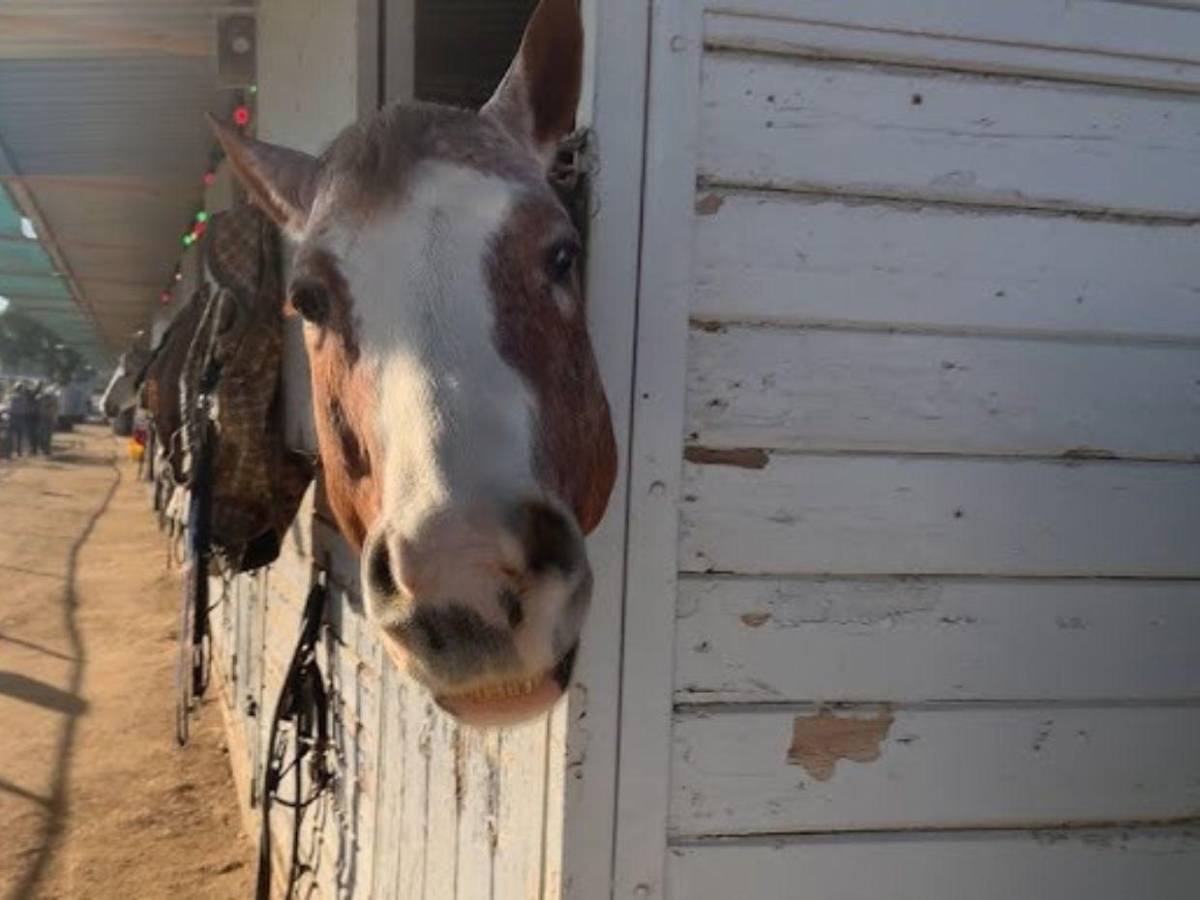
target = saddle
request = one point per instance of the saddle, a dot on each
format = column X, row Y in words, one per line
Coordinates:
column 216, row 376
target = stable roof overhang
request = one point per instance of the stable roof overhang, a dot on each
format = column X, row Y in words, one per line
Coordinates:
column 103, row 146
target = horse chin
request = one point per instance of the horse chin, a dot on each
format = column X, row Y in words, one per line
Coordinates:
column 499, row 702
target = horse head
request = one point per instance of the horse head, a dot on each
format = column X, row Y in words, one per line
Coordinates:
column 463, row 429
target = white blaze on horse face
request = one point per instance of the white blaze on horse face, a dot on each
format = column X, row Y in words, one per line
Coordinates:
column 455, row 421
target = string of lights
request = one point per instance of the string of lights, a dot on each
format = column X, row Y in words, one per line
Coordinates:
column 241, row 117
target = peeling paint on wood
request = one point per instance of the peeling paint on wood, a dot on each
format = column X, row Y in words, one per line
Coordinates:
column 961, row 765
column 742, row 457
column 709, row 204
column 819, row 741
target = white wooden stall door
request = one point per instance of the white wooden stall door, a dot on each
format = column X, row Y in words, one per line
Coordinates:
column 913, row 597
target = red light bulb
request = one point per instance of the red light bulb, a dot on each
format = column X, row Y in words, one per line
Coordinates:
column 241, row 115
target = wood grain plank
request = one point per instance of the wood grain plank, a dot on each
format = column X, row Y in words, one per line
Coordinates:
column 774, row 639
column 441, row 847
column 392, row 777
column 1152, row 32
column 520, row 819
column 768, row 34
column 823, row 390
column 797, row 259
column 1099, row 864
column 941, row 515
column 946, row 136
column 414, row 813
column 796, row 770
column 478, row 779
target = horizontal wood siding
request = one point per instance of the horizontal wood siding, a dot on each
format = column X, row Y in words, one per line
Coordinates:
column 806, row 259
column 939, row 581
column 949, row 136
column 1102, row 864
column 792, row 770
column 810, row 390
column 821, row 40
column 897, row 639
column 942, row 515
column 1148, row 29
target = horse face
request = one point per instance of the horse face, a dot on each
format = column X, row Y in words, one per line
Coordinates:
column 463, row 429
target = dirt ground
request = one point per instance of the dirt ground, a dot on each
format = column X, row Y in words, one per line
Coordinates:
column 96, row 800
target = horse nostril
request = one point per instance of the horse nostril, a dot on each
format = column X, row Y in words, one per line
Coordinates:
column 511, row 604
column 379, row 570
column 550, row 540
column 434, row 639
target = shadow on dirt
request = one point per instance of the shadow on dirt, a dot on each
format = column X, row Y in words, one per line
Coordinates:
column 56, row 804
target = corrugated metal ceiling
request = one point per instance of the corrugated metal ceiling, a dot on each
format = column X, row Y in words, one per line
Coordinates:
column 101, row 115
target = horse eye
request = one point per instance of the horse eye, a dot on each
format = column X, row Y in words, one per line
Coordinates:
column 561, row 260
column 311, row 300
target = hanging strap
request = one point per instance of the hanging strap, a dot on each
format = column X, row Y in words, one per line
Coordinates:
column 194, row 640
column 192, row 665
column 304, row 704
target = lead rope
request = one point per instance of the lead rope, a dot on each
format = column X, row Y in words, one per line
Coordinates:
column 304, row 704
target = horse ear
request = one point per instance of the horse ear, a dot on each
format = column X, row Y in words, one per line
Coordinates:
column 281, row 181
column 536, row 100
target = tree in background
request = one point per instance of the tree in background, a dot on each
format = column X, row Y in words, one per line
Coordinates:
column 23, row 340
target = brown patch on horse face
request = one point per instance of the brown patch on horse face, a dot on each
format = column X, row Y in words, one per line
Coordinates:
column 547, row 341
column 344, row 400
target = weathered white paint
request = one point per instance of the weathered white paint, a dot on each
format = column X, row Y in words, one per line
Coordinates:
column 394, row 770
column 917, row 515
column 948, row 136
column 521, row 770
column 942, row 766
column 726, row 31
column 882, row 363
column 819, row 390
column 1099, row 864
column 1144, row 30
column 673, row 100
column 414, row 799
column 477, row 781
column 819, row 260
column 902, row 639
column 581, row 781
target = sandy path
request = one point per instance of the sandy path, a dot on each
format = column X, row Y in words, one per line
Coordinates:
column 96, row 800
